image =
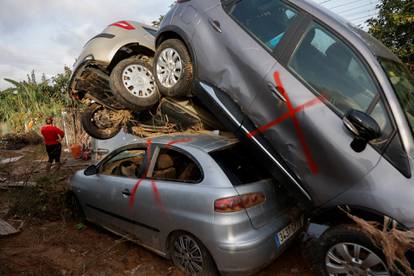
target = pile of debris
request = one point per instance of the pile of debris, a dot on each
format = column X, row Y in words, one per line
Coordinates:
column 14, row 141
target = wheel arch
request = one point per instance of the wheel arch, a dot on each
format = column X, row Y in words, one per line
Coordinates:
column 171, row 234
column 336, row 215
column 173, row 32
column 127, row 51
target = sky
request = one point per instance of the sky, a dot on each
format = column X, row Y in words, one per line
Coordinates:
column 45, row 35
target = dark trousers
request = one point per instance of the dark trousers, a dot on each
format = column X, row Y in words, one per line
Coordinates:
column 54, row 151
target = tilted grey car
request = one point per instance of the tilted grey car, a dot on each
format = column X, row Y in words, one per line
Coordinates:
column 328, row 107
column 198, row 199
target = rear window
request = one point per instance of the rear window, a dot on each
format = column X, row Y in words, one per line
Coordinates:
column 239, row 165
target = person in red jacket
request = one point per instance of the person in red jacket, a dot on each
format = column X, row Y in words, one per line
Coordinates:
column 52, row 137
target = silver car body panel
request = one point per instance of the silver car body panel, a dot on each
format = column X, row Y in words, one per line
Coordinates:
column 103, row 49
column 190, row 208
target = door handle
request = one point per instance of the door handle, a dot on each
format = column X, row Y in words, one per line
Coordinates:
column 215, row 24
column 276, row 92
column 126, row 192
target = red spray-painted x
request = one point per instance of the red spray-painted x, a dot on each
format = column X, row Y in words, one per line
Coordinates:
column 155, row 190
column 291, row 114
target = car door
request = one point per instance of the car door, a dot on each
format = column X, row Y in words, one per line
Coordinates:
column 110, row 191
column 301, row 114
column 162, row 201
column 232, row 53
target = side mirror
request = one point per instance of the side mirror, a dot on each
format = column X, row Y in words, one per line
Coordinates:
column 363, row 127
column 91, row 170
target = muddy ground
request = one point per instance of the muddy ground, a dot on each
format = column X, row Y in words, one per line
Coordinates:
column 52, row 243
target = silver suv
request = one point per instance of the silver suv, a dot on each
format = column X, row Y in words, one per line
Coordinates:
column 328, row 108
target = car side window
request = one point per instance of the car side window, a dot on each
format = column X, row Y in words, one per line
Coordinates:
column 128, row 163
column 175, row 166
column 334, row 71
column 267, row 20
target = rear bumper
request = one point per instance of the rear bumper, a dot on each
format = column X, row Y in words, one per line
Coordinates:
column 249, row 256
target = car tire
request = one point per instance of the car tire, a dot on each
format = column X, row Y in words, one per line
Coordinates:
column 133, row 85
column 179, row 250
column 75, row 207
column 175, row 80
column 342, row 250
column 89, row 124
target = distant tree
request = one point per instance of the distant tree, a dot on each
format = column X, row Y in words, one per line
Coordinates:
column 394, row 26
column 31, row 78
column 44, row 79
column 28, row 100
column 156, row 23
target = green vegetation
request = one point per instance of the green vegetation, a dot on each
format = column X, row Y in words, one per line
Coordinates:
column 395, row 27
column 30, row 101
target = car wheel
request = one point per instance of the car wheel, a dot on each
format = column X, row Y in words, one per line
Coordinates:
column 101, row 123
column 75, row 207
column 347, row 250
column 173, row 69
column 190, row 255
column 133, row 84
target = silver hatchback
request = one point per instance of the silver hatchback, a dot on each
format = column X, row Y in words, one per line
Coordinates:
column 200, row 200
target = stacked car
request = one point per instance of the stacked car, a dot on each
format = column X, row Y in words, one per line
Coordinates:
column 326, row 108
column 114, row 78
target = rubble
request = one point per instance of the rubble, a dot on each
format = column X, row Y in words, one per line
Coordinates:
column 6, row 229
column 394, row 242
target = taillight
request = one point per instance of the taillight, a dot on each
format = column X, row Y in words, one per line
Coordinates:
column 238, row 203
column 124, row 25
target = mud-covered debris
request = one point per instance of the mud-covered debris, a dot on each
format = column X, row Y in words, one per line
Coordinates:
column 10, row 160
column 13, row 141
column 6, row 229
column 395, row 243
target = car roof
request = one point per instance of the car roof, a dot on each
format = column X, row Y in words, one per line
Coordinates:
column 206, row 142
column 342, row 26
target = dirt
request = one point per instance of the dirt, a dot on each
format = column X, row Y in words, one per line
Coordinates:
column 51, row 243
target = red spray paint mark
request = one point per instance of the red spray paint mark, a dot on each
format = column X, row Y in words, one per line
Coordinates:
column 291, row 114
column 136, row 186
column 124, row 25
column 133, row 192
column 157, row 195
column 180, row 141
column 155, row 190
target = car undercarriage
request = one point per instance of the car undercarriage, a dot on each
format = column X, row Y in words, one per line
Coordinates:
column 105, row 116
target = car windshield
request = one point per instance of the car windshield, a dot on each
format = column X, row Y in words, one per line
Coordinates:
column 403, row 82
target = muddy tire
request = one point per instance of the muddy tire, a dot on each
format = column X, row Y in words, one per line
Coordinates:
column 347, row 250
column 173, row 69
column 75, row 207
column 96, row 129
column 190, row 255
column 133, row 84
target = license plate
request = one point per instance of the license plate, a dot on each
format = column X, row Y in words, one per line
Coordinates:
column 286, row 233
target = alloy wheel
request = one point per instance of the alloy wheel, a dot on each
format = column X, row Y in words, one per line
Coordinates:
column 169, row 67
column 354, row 259
column 187, row 254
column 139, row 81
